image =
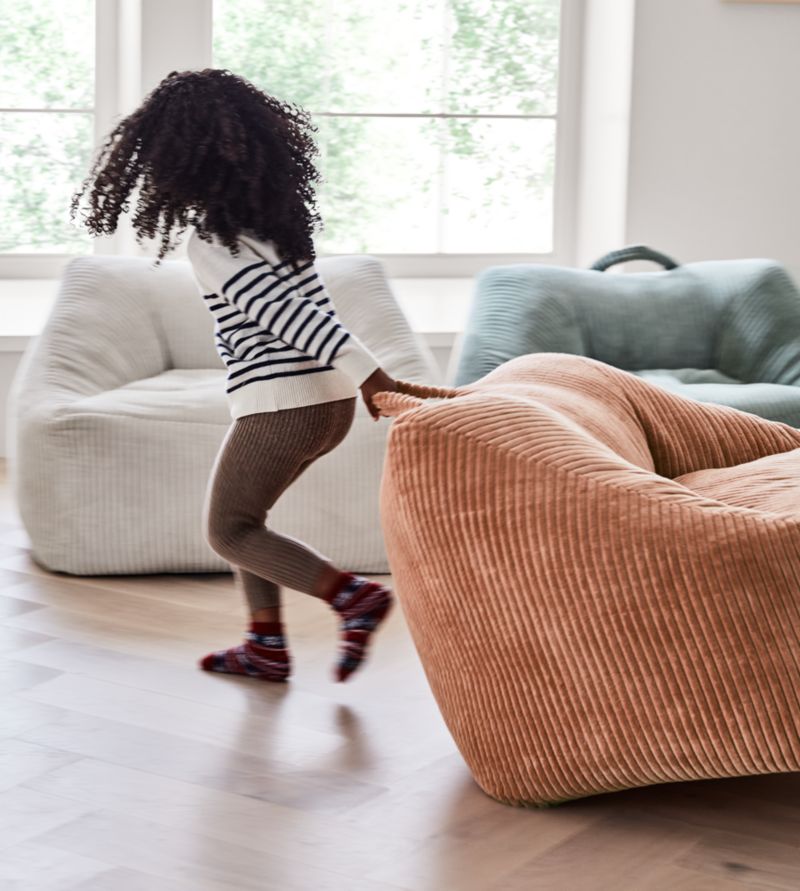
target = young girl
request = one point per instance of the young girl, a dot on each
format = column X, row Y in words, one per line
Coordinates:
column 214, row 152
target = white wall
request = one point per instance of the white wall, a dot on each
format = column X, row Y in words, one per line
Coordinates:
column 608, row 28
column 714, row 148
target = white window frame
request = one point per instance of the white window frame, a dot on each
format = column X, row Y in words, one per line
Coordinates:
column 139, row 41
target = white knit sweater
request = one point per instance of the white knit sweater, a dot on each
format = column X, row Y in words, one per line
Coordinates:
column 276, row 328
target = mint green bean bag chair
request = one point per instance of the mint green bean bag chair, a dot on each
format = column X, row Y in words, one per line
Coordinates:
column 723, row 331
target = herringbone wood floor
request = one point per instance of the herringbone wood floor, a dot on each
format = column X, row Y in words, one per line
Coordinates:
column 125, row 768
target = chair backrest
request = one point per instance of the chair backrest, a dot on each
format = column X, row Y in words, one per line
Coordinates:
column 359, row 290
column 579, row 415
column 562, row 409
column 700, row 315
column 118, row 319
column 367, row 306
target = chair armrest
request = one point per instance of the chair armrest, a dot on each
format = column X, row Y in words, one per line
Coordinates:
column 759, row 339
column 101, row 334
column 685, row 435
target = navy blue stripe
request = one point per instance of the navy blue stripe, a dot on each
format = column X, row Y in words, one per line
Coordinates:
column 256, row 297
column 267, row 364
column 238, row 312
column 299, row 331
column 238, row 341
column 285, row 295
column 314, row 333
column 286, row 304
column 268, row 350
column 293, row 316
column 240, row 325
column 279, row 280
column 259, row 332
column 235, row 278
column 269, row 377
column 282, row 348
column 257, row 355
column 335, row 350
column 305, row 281
column 241, row 272
column 327, row 338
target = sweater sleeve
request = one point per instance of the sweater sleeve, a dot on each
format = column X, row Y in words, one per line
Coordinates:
column 271, row 296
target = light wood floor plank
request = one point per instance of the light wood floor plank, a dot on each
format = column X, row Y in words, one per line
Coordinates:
column 27, row 812
column 124, row 879
column 612, row 851
column 742, row 858
column 677, row 878
column 21, row 760
column 225, row 816
column 45, row 868
column 186, row 853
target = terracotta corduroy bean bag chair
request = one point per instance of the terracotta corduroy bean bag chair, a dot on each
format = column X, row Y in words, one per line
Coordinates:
column 602, row 578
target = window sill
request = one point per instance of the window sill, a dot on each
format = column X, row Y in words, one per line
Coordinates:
column 436, row 308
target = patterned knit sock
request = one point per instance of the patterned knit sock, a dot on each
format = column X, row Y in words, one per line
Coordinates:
column 263, row 654
column 363, row 605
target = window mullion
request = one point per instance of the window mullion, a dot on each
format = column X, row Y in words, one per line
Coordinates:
column 441, row 172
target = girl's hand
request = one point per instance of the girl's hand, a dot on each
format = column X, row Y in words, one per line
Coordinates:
column 377, row 382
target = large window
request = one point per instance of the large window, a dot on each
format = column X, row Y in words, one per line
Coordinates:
column 446, row 128
column 47, row 69
column 437, row 119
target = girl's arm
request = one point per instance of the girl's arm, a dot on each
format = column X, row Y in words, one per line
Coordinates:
column 271, row 296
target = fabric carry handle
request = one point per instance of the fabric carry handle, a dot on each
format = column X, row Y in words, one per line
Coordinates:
column 392, row 403
column 633, row 252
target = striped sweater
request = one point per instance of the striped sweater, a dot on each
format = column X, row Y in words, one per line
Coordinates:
column 275, row 328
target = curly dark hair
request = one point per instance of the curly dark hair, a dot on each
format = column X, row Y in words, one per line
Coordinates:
column 215, row 152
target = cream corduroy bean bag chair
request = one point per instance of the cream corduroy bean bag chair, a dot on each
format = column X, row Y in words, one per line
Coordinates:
column 118, row 410
column 602, row 578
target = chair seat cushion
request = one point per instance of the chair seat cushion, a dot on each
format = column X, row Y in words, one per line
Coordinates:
column 124, row 475
column 775, row 402
column 190, row 395
column 677, row 377
column 770, row 484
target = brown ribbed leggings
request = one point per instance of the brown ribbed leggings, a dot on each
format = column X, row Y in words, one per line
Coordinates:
column 260, row 456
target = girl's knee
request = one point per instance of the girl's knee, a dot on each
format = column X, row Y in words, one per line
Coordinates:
column 224, row 535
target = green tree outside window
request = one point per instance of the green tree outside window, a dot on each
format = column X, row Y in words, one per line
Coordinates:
column 46, row 62
column 395, row 180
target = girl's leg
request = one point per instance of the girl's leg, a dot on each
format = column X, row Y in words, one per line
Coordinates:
column 241, row 488
column 261, row 455
column 263, row 596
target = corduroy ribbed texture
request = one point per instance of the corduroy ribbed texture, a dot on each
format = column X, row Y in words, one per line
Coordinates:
column 587, row 622
column 118, row 408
